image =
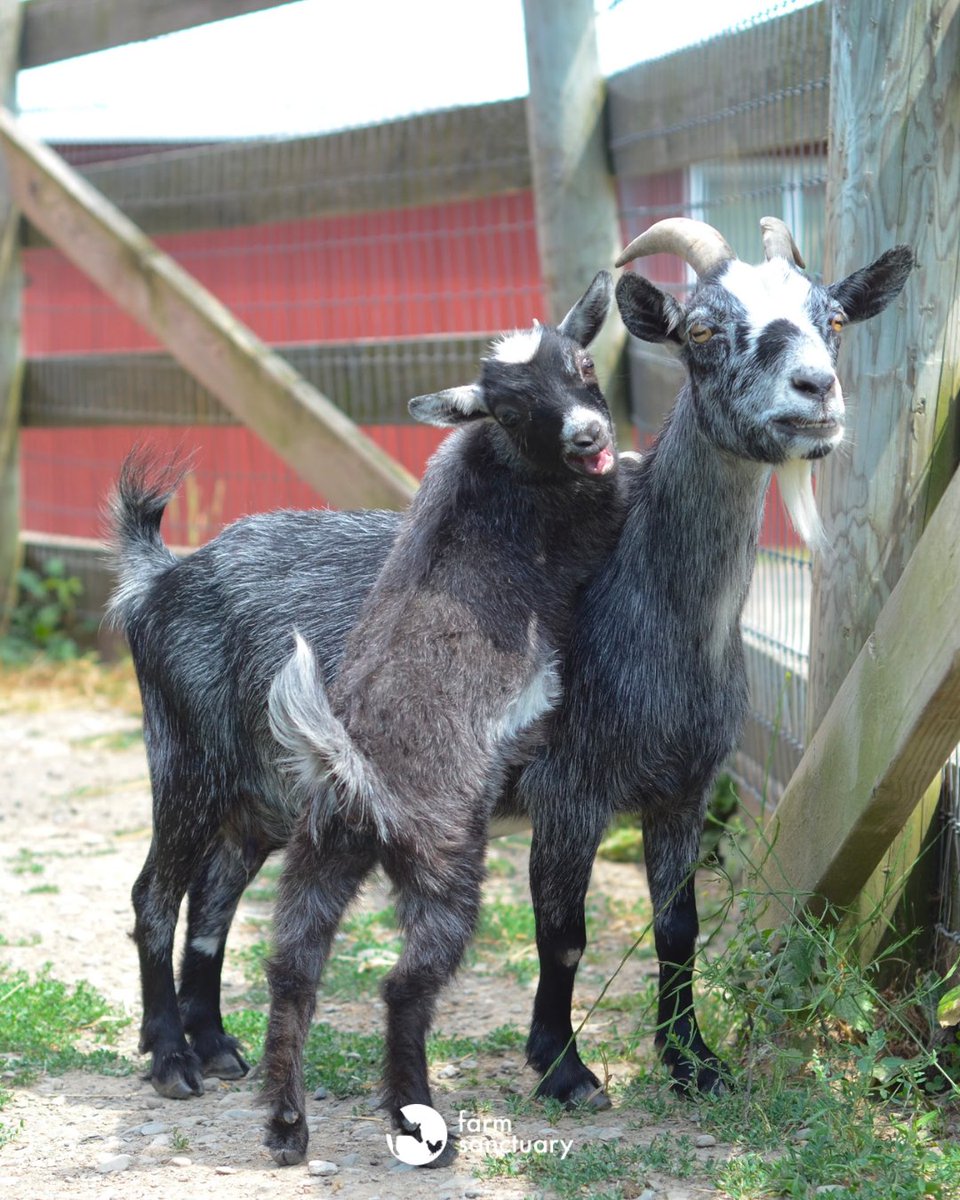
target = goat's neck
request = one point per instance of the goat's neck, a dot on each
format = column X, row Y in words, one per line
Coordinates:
column 700, row 519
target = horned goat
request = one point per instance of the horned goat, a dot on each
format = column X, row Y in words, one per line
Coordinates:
column 654, row 685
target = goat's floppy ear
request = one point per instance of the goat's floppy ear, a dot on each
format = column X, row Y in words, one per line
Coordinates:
column 868, row 291
column 648, row 313
column 582, row 323
column 454, row 406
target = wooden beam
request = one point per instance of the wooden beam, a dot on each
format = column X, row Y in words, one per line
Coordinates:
column 433, row 158
column 759, row 90
column 10, row 354
column 370, row 381
column 53, row 31
column 895, row 106
column 892, row 725
column 322, row 445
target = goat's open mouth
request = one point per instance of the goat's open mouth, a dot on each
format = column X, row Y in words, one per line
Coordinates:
column 818, row 427
column 601, row 462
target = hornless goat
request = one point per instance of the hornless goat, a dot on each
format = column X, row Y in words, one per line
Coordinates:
column 448, row 673
column 446, row 679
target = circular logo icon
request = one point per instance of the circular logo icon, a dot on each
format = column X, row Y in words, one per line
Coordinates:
column 423, row 1138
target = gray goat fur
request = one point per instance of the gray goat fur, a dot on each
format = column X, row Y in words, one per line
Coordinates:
column 450, row 668
column 654, row 688
column 448, row 677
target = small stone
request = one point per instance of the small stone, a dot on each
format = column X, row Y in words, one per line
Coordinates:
column 225, row 1170
column 450, row 1071
column 241, row 1114
column 647, row 1194
column 803, row 1135
column 152, row 1102
column 349, row 1160
column 119, row 1162
column 151, row 1128
column 702, row 1140
column 321, row 1166
column 321, row 1093
column 180, row 1160
column 469, row 1064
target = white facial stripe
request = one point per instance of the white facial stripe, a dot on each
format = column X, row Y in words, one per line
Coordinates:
column 772, row 291
column 517, row 347
column 579, row 418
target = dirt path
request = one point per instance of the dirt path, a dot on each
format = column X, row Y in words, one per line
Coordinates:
column 74, row 815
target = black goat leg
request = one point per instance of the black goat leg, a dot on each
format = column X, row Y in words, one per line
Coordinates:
column 561, row 859
column 671, row 848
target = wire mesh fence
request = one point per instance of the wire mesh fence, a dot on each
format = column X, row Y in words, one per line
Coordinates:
column 379, row 258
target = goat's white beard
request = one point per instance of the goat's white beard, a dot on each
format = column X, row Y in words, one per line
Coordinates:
column 796, row 487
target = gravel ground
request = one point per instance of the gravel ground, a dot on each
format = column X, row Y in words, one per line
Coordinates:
column 74, row 798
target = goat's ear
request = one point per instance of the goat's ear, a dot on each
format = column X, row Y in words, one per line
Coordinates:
column 582, row 323
column 455, row 406
column 868, row 291
column 648, row 313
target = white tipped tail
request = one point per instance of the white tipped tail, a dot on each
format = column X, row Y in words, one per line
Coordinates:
column 796, row 488
column 320, row 754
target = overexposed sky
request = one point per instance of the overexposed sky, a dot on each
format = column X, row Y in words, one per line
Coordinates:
column 326, row 64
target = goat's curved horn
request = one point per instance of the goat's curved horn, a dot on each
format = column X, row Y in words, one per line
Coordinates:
column 778, row 241
column 696, row 242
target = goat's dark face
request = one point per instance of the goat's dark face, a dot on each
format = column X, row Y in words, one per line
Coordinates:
column 760, row 344
column 539, row 389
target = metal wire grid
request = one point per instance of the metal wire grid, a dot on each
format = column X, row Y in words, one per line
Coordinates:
column 759, row 152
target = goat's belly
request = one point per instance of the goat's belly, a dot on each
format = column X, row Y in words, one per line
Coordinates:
column 266, row 815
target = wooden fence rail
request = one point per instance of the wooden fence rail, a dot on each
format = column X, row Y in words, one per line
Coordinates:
column 320, row 443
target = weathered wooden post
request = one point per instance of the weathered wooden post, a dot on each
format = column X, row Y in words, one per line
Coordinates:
column 894, row 177
column 578, row 231
column 10, row 356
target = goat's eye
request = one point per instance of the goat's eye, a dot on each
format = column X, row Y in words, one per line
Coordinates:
column 700, row 333
column 587, row 367
column 509, row 417
column 837, row 322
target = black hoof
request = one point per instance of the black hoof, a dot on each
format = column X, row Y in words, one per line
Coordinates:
column 573, row 1085
column 590, row 1096
column 177, row 1076
column 287, row 1138
column 226, row 1065
column 220, row 1056
column 694, row 1077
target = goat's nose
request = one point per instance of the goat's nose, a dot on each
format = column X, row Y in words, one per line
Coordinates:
column 816, row 384
column 588, row 435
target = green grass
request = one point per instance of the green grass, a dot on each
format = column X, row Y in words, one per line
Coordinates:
column 42, row 1021
column 505, row 937
column 600, row 1170
column 25, row 862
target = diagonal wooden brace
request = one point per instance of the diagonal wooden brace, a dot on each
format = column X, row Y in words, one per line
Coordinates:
column 891, row 727
column 322, row 445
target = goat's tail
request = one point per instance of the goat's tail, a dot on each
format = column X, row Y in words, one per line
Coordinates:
column 137, row 552
column 320, row 753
